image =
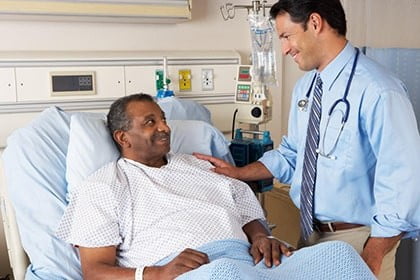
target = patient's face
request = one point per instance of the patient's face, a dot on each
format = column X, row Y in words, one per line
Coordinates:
column 149, row 135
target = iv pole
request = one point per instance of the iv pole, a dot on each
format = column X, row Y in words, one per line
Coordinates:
column 228, row 12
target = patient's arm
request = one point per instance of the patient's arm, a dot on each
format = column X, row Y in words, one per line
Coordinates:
column 100, row 263
column 187, row 260
column 250, row 172
column 264, row 245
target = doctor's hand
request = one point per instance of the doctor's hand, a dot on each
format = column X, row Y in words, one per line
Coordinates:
column 186, row 261
column 220, row 166
column 270, row 249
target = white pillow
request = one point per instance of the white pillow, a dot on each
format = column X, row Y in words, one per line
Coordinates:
column 91, row 145
column 181, row 109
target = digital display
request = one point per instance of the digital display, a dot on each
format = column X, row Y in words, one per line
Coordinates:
column 72, row 83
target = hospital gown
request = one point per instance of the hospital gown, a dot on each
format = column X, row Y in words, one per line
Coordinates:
column 150, row 213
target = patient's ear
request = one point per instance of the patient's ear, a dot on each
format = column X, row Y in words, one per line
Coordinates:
column 121, row 138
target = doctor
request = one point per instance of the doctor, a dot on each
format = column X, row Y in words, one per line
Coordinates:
column 353, row 147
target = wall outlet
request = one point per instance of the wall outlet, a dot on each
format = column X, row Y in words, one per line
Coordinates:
column 207, row 79
column 184, row 80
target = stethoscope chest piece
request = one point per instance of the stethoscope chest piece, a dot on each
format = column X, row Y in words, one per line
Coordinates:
column 303, row 104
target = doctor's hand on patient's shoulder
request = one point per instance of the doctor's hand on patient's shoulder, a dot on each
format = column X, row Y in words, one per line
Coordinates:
column 187, row 260
column 271, row 249
column 251, row 172
column 220, row 166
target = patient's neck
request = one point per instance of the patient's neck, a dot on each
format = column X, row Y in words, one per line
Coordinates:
column 156, row 162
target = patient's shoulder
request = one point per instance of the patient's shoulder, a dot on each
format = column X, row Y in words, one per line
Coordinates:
column 193, row 161
column 111, row 175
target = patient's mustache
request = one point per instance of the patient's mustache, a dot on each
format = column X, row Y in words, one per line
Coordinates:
column 161, row 135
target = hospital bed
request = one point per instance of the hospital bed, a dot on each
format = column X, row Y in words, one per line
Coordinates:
column 45, row 159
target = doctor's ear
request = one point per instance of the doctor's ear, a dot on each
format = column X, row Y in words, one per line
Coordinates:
column 315, row 21
column 121, row 138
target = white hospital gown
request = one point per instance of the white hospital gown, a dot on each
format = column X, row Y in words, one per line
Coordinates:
column 150, row 213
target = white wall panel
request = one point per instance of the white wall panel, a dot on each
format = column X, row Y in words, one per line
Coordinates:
column 7, row 85
column 34, row 84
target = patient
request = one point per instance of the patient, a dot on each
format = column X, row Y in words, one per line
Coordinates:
column 151, row 204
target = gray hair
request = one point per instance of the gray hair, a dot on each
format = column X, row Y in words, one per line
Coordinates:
column 117, row 118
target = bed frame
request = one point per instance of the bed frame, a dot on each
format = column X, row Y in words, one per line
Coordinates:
column 17, row 256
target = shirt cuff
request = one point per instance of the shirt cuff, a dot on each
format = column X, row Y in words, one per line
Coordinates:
column 139, row 273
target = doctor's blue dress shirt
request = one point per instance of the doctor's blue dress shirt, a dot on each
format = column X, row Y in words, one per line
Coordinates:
column 373, row 178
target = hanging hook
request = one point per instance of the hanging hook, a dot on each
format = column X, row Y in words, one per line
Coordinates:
column 228, row 11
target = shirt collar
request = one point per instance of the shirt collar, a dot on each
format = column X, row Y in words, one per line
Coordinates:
column 330, row 74
column 169, row 157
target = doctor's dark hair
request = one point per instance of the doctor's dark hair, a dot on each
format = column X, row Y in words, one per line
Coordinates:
column 300, row 10
column 117, row 118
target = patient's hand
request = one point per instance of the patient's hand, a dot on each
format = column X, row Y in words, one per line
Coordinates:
column 187, row 260
column 270, row 249
column 220, row 166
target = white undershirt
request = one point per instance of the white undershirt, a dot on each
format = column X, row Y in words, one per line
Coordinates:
column 150, row 213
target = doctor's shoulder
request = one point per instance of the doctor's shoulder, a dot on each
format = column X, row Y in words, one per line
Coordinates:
column 380, row 79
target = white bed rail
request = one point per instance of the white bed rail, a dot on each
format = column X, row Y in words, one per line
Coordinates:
column 17, row 256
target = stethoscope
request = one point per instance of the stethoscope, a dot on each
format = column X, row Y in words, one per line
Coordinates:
column 303, row 105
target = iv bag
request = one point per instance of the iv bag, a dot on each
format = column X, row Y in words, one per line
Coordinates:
column 264, row 69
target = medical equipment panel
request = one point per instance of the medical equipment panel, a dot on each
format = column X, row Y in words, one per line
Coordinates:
column 39, row 84
column 26, row 82
column 253, row 99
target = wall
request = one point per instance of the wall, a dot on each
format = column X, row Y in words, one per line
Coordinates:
column 377, row 23
column 203, row 32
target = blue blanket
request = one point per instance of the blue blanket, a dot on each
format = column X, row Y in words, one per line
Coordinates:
column 230, row 259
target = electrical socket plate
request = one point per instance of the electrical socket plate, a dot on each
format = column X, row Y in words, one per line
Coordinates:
column 207, row 79
column 184, row 79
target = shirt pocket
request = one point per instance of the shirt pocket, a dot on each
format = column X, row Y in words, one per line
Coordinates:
column 335, row 143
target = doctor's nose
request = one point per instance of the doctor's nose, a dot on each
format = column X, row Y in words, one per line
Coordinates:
column 285, row 47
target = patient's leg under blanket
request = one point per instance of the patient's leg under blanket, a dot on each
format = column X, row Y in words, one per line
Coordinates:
column 230, row 259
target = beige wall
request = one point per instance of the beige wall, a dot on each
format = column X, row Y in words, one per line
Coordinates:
column 377, row 23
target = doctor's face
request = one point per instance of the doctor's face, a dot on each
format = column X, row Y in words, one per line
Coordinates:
column 297, row 42
column 148, row 139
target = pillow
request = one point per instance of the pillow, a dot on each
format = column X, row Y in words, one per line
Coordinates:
column 181, row 109
column 34, row 166
column 91, row 146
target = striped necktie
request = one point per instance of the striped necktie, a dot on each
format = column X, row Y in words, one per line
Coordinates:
column 309, row 164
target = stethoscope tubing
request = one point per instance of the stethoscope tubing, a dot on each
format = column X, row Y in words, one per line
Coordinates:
column 303, row 103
